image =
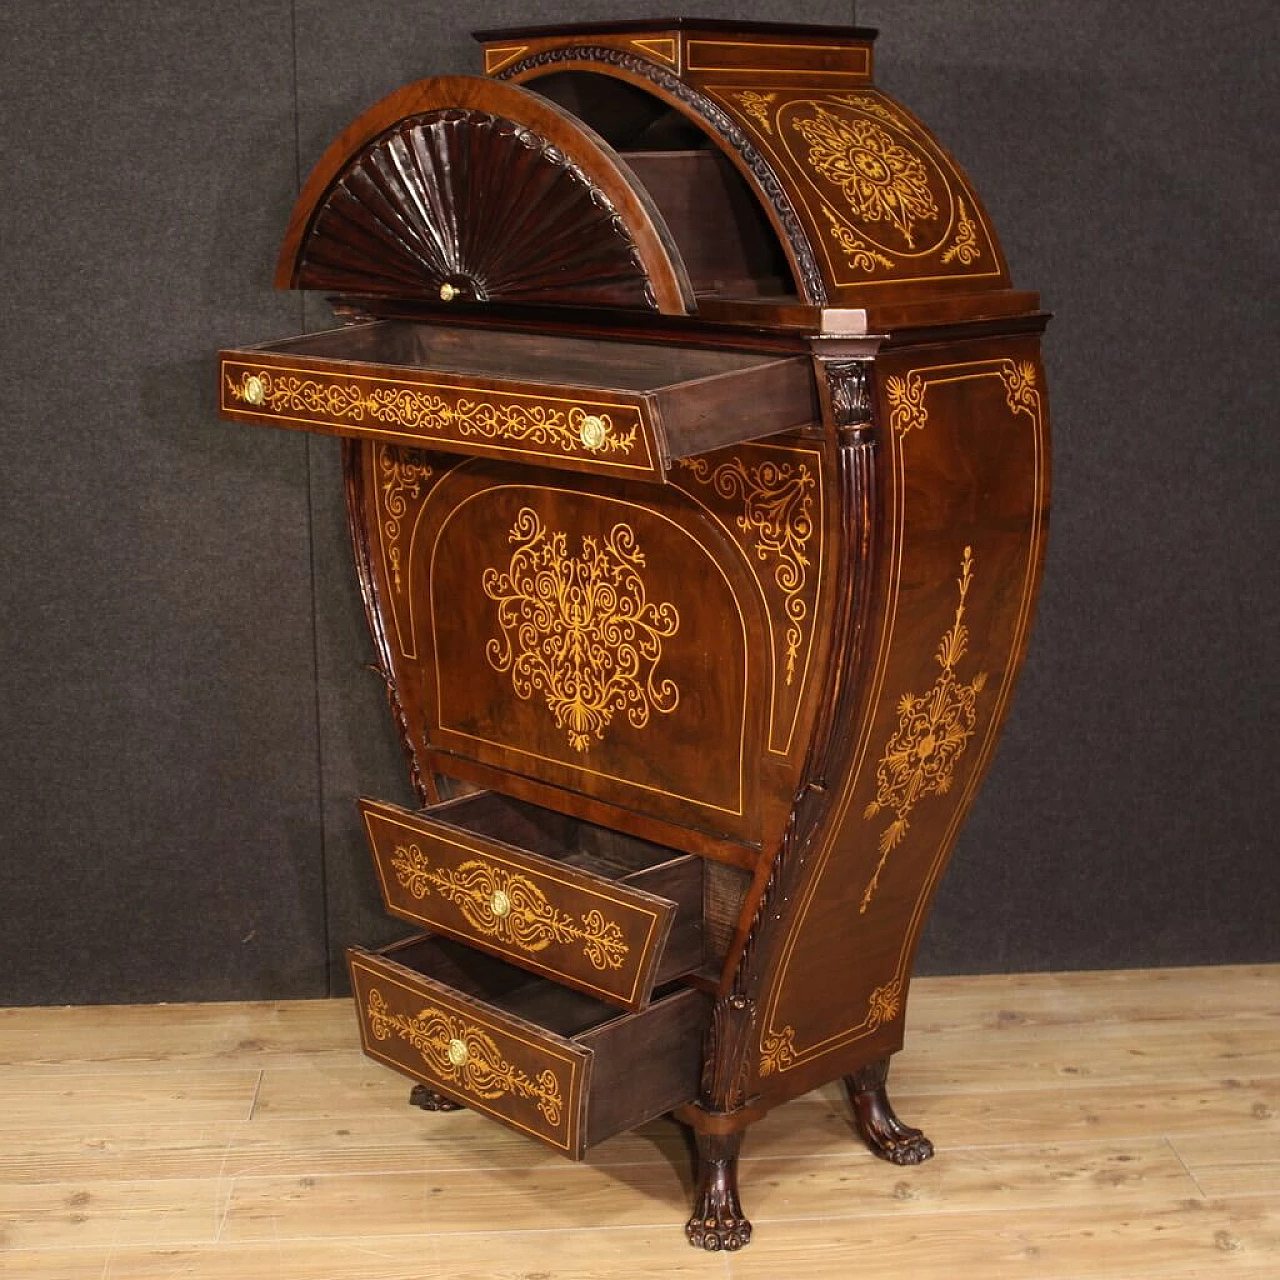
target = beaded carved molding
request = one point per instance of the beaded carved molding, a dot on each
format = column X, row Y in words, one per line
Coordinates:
column 509, row 908
column 581, row 630
column 461, row 1054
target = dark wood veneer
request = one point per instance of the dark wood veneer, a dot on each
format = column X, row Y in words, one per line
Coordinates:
column 710, row 552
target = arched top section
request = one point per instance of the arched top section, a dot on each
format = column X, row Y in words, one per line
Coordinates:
column 868, row 206
column 461, row 187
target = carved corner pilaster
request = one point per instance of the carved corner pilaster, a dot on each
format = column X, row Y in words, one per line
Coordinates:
column 849, row 387
column 726, row 1072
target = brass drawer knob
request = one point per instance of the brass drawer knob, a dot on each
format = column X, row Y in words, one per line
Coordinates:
column 500, row 904
column 592, row 432
column 458, row 1054
column 255, row 391
column 448, row 292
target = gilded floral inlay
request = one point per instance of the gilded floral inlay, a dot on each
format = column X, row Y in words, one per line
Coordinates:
column 464, row 1055
column 965, row 246
column 509, row 907
column 581, row 630
column 882, row 180
column 777, row 514
column 421, row 409
column 778, row 1051
column 933, row 731
column 402, row 475
column 884, row 1004
column 1020, row 387
column 758, row 106
column 862, row 257
column 906, row 403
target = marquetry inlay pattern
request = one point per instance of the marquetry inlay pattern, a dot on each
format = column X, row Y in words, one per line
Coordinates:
column 933, row 731
column 509, row 908
column 460, row 1053
column 441, row 412
column 580, row 629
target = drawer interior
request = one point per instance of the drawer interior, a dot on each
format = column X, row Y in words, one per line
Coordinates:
column 636, row 1065
column 491, row 821
column 570, row 841
column 502, row 986
column 683, row 400
column 508, row 355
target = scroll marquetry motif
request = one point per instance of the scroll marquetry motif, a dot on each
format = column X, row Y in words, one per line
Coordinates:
column 881, row 179
column 581, row 630
column 884, row 1004
column 777, row 501
column 460, row 1053
column 402, row 479
column 443, row 416
column 770, row 500
column 758, row 106
column 933, row 731
column 508, row 908
column 882, row 202
column 778, row 1051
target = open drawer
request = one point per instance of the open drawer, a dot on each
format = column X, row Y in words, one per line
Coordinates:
column 603, row 912
column 549, row 1062
column 616, row 408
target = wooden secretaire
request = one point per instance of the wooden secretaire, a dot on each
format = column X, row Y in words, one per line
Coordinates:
column 697, row 468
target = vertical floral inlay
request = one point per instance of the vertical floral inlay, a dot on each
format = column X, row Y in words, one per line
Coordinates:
column 933, row 731
column 403, row 472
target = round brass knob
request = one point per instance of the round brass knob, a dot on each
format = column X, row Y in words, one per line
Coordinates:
column 458, row 1054
column 255, row 390
column 448, row 292
column 592, row 431
column 500, row 904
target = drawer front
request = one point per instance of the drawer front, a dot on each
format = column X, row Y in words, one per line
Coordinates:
column 585, row 931
column 491, row 1061
column 565, row 427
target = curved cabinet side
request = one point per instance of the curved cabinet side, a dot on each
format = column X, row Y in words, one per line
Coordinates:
column 963, row 487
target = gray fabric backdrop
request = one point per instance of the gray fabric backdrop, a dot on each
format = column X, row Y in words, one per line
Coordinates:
column 184, row 708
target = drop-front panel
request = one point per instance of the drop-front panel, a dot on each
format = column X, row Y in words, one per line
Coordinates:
column 696, row 454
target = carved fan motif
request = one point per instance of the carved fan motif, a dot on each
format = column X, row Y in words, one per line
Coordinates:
column 459, row 202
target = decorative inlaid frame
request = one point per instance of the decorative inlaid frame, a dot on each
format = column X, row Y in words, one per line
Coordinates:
column 783, row 1044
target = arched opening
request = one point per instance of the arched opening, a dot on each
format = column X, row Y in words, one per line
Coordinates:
column 727, row 243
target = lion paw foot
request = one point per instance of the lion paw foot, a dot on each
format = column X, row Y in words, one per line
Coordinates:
column 430, row 1100
column 718, row 1230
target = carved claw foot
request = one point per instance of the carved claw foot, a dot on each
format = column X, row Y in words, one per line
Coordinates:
column 718, row 1221
column 876, row 1121
column 430, row 1100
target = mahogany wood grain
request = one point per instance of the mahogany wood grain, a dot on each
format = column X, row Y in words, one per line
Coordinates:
column 790, row 659
column 548, row 134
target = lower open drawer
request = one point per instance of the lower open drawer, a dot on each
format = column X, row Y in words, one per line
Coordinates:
column 550, row 1062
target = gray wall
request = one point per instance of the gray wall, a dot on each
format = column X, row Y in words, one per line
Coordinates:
column 184, row 707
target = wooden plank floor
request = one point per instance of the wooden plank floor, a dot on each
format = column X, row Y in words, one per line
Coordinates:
column 1108, row 1124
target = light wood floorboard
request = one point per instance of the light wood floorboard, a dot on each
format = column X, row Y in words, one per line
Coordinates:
column 1122, row 1125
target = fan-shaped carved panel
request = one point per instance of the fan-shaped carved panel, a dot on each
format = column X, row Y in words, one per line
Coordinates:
column 484, row 196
